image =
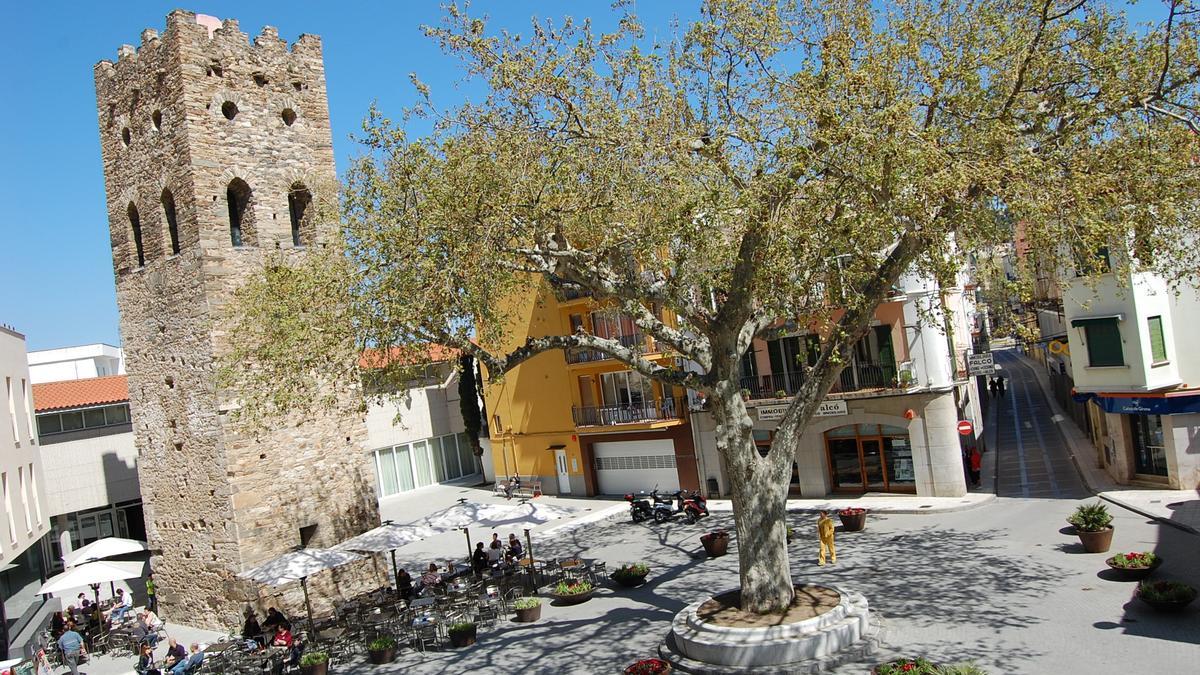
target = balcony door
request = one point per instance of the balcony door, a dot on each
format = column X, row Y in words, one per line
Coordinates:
column 628, row 396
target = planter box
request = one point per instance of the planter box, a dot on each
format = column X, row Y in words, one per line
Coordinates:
column 1095, row 542
column 381, row 656
column 854, row 523
column 464, row 638
column 629, row 582
column 1167, row 606
column 573, row 598
column 1133, row 573
column 316, row 669
column 715, row 545
column 527, row 615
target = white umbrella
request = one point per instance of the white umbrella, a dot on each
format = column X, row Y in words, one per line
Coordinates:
column 299, row 566
column 90, row 574
column 104, row 548
column 385, row 538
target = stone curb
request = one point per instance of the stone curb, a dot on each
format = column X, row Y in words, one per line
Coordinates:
column 1074, row 442
column 983, row 498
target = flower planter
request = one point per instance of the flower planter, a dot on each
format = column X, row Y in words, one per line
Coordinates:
column 527, row 615
column 630, row 581
column 1166, row 605
column 315, row 669
column 465, row 638
column 573, row 598
column 1133, row 573
column 1173, row 596
column 853, row 522
column 715, row 543
column 1096, row 542
column 381, row 656
column 648, row 667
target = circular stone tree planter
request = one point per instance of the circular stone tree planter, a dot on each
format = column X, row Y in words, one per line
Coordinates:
column 840, row 620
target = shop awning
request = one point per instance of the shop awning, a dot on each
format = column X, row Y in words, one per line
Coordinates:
column 1143, row 405
column 1089, row 320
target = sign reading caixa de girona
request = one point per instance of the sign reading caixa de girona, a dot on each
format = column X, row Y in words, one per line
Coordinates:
column 776, row 411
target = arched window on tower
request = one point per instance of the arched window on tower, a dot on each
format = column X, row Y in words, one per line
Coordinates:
column 300, row 211
column 168, row 204
column 241, row 215
column 135, row 224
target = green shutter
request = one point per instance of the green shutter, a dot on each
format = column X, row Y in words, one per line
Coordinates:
column 1158, row 343
column 1104, row 343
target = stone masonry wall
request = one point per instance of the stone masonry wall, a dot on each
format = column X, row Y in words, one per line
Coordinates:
column 218, row 502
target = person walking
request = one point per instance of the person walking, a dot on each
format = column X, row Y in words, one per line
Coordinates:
column 71, row 645
column 975, row 458
column 1000, row 386
column 151, row 596
column 825, row 534
column 992, row 387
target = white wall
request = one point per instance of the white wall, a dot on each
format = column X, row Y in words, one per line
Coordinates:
column 89, row 473
column 76, row 363
column 18, row 453
column 425, row 412
column 924, row 325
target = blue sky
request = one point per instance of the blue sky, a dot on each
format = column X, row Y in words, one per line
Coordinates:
column 55, row 264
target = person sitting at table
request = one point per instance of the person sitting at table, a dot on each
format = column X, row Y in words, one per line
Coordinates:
column 191, row 663
column 145, row 664
column 57, row 624
column 404, row 584
column 431, row 578
column 175, row 654
column 479, row 559
column 142, row 633
column 282, row 637
column 120, row 606
column 152, row 621
column 495, row 552
column 275, row 618
column 251, row 630
column 514, row 547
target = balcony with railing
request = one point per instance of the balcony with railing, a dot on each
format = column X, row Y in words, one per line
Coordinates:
column 857, row 377
column 658, row 410
column 636, row 341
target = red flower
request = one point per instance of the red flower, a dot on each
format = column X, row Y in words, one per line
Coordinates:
column 908, row 666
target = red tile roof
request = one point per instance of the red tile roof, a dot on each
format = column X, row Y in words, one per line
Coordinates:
column 373, row 358
column 80, row 393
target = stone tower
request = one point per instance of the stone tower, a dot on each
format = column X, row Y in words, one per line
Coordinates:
column 214, row 151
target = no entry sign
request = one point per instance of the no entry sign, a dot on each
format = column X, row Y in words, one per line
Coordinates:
column 965, row 428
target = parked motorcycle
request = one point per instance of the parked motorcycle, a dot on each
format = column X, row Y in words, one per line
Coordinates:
column 695, row 507
column 639, row 507
column 692, row 506
column 667, row 507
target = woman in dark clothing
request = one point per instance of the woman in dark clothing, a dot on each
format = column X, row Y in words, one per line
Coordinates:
column 479, row 560
column 57, row 625
column 145, row 664
column 404, row 584
column 251, row 630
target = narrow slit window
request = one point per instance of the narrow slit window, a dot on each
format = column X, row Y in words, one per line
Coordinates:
column 238, row 196
column 135, row 225
column 299, row 203
column 168, row 204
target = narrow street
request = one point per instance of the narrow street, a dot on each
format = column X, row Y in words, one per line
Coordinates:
column 1032, row 453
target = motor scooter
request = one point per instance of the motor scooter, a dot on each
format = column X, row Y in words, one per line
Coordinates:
column 666, row 508
column 695, row 507
column 639, row 507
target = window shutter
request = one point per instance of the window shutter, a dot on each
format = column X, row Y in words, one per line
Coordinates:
column 1104, row 343
column 1158, row 343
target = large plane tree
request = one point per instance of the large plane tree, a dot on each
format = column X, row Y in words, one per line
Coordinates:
column 769, row 161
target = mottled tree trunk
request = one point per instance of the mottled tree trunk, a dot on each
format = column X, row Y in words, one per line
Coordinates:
column 759, row 486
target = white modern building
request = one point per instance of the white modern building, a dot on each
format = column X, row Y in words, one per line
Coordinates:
column 76, row 363
column 25, row 519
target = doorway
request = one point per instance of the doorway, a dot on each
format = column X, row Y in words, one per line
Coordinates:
column 564, row 478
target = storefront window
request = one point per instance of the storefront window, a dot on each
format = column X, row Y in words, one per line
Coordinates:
column 1149, row 453
column 870, row 457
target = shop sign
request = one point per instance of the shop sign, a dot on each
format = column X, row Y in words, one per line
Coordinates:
column 980, row 364
column 775, row 412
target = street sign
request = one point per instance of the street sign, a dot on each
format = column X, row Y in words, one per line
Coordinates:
column 965, row 428
column 980, row 364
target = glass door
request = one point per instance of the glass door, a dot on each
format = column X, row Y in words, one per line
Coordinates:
column 872, row 462
column 844, row 464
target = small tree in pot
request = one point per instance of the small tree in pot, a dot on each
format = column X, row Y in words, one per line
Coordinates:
column 381, row 650
column 527, row 610
column 1092, row 524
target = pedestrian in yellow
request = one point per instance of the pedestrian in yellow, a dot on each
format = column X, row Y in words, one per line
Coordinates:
column 825, row 532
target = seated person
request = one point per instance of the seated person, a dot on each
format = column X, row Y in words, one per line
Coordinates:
column 191, row 663
column 431, row 578
column 142, row 633
column 514, row 547
column 251, row 630
column 152, row 621
column 120, row 606
column 145, row 664
column 282, row 637
column 479, row 559
column 275, row 618
column 175, row 654
column 513, row 485
column 495, row 552
column 58, row 624
column 404, row 583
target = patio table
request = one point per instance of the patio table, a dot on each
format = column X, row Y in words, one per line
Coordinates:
column 423, row 602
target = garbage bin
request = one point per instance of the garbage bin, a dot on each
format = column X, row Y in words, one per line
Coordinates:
column 714, row 489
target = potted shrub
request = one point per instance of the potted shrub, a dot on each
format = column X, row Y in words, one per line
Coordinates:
column 715, row 543
column 572, row 592
column 527, row 610
column 779, row 393
column 381, row 650
column 1092, row 525
column 853, row 519
column 631, row 574
column 314, row 663
column 745, row 394
column 648, row 667
column 1133, row 566
column 1166, row 596
column 917, row 666
column 462, row 634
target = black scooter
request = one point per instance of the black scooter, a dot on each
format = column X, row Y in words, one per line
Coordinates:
column 666, row 508
column 639, row 507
